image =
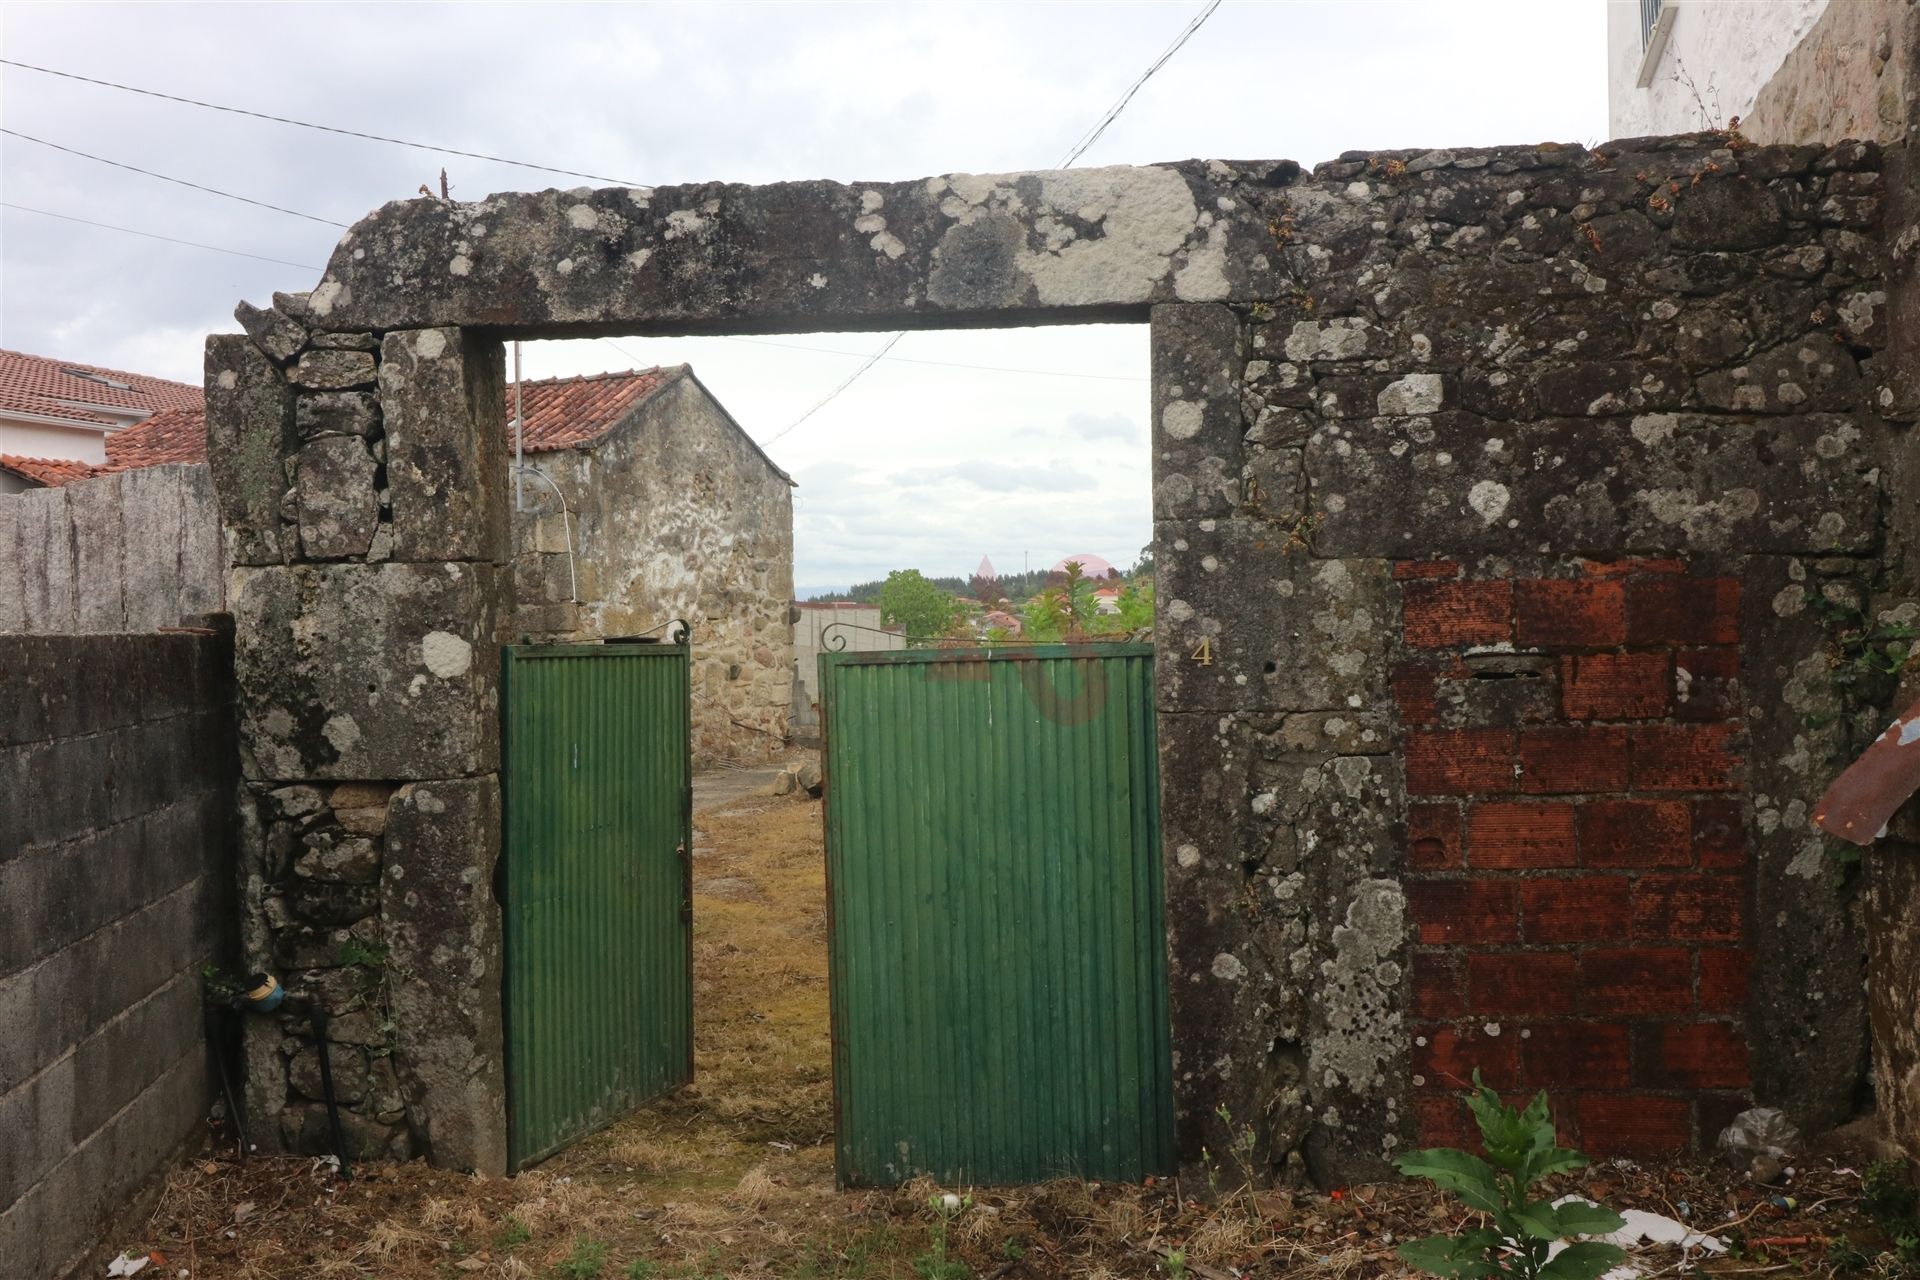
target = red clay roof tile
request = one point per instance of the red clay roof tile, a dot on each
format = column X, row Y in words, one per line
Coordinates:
column 58, row 389
column 46, row 472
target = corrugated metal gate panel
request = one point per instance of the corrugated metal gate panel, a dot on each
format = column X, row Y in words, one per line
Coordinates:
column 994, row 881
column 599, row 973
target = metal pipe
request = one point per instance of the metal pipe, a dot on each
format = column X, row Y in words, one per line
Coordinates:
column 519, row 451
column 566, row 525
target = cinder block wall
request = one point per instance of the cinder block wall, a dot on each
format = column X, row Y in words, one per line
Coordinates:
column 117, row 769
column 124, row 552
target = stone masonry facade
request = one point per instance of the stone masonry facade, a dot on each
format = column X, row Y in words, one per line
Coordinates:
column 675, row 514
column 1513, row 509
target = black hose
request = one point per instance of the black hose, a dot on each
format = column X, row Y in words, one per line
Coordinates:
column 221, row 1042
column 319, row 1017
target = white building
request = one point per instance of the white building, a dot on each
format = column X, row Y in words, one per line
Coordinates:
column 56, row 416
column 1790, row 70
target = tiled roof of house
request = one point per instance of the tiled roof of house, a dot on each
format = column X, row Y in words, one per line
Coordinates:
column 172, row 435
column 46, row 471
column 564, row 412
column 64, row 388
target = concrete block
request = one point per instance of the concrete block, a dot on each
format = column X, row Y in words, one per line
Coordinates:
column 440, row 918
column 38, row 1119
column 368, row 671
column 99, row 572
column 150, row 515
column 46, row 561
column 442, row 398
column 116, row 1063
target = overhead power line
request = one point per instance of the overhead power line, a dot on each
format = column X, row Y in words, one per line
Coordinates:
column 323, row 128
column 195, row 244
column 182, row 182
column 1113, row 113
column 1074, row 153
column 826, row 399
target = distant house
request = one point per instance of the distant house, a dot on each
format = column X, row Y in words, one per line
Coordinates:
column 646, row 502
column 831, row 626
column 59, row 419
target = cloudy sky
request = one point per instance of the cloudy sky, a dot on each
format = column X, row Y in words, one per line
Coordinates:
column 1035, row 449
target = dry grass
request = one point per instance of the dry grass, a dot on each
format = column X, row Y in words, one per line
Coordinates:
column 733, row 1176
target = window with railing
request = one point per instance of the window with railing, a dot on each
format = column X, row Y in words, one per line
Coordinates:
column 1649, row 19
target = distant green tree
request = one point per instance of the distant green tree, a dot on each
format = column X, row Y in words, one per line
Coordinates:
column 1066, row 610
column 918, row 607
column 1136, row 606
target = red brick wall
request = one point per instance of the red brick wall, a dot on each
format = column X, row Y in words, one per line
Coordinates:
column 1576, row 852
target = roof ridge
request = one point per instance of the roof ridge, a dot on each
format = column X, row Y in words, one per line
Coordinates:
column 608, row 376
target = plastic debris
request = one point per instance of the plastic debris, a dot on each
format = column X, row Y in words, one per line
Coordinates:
column 1760, row 1131
column 128, row 1264
column 1642, row 1230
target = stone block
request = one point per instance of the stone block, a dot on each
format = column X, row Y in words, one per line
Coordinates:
column 1656, row 482
column 1246, row 621
column 46, row 561
column 203, row 581
column 334, row 370
column 1808, row 954
column 150, row 519
column 368, row 671
column 334, row 498
column 356, row 341
column 13, row 605
column 1197, row 368
column 114, row 1064
column 442, row 924
column 442, row 402
column 38, row 1119
column 321, row 413
column 96, row 506
column 272, row 330
column 250, row 435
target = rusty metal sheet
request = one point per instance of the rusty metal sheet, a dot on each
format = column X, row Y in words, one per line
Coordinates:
column 1860, row 802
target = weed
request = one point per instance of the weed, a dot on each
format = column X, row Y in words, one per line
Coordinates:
column 640, row 1269
column 588, row 1260
column 367, row 955
column 514, row 1232
column 1887, row 1192
column 1520, row 1146
column 1176, row 1265
column 935, row 1263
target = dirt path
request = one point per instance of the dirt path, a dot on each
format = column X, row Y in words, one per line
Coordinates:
column 733, row 1176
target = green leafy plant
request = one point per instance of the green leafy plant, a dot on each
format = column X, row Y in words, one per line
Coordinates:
column 587, row 1261
column 1521, row 1230
column 1887, row 1192
column 1176, row 1265
column 641, row 1269
column 365, row 955
column 514, row 1232
column 937, row 1263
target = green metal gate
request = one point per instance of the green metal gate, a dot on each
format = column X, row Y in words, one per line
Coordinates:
column 994, row 885
column 597, row 886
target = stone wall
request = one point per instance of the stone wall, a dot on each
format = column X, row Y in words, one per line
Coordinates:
column 128, row 551
column 1513, row 508
column 370, row 600
column 1514, row 538
column 116, row 878
column 675, row 514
